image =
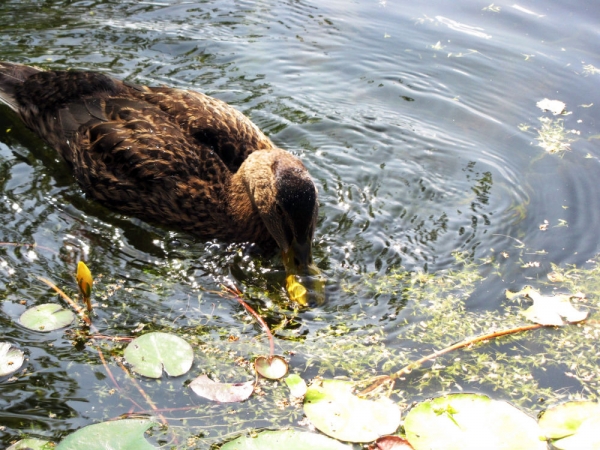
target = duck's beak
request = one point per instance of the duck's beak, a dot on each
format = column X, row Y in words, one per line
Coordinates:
column 304, row 282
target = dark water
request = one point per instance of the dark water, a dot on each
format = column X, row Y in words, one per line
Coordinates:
column 411, row 116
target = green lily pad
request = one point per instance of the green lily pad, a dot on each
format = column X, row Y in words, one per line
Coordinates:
column 334, row 410
column 471, row 422
column 151, row 353
column 296, row 385
column 271, row 367
column 574, row 425
column 285, row 439
column 586, row 438
column 11, row 358
column 46, row 317
column 127, row 434
column 32, row 444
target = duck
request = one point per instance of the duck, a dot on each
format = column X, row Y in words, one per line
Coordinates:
column 175, row 157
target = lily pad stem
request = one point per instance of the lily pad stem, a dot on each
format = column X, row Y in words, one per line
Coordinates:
column 68, row 299
column 263, row 324
column 384, row 379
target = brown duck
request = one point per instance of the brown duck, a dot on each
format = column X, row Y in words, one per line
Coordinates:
column 171, row 156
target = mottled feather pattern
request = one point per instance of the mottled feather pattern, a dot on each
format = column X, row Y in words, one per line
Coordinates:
column 166, row 155
column 211, row 122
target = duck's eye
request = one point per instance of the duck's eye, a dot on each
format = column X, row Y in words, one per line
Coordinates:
column 279, row 210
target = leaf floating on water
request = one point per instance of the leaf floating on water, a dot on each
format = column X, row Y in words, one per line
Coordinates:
column 127, row 434
column 471, row 422
column 46, row 317
column 549, row 309
column 151, row 353
column 572, row 425
column 285, row 439
column 271, row 367
column 391, row 443
column 11, row 358
column 556, row 107
column 222, row 392
column 587, row 437
column 296, row 385
column 335, row 411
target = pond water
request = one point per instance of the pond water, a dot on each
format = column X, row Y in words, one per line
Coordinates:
column 418, row 122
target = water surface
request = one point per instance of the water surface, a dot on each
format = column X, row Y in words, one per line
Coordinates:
column 417, row 120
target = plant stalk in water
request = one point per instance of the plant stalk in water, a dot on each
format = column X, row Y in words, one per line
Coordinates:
column 389, row 380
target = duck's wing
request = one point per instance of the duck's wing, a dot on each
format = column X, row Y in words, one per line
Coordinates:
column 141, row 163
column 211, row 122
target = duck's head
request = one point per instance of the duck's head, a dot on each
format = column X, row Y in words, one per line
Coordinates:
column 286, row 198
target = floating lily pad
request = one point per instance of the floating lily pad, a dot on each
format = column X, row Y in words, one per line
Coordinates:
column 46, row 317
column 32, row 444
column 471, row 422
column 334, row 410
column 151, row 353
column 285, row 439
column 573, row 425
column 127, row 434
column 11, row 358
column 271, row 367
column 296, row 385
column 587, row 437
column 222, row 392
column 549, row 309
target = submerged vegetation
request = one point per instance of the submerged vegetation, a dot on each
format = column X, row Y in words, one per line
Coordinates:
column 427, row 313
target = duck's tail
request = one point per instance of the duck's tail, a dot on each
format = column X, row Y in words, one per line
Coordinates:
column 12, row 75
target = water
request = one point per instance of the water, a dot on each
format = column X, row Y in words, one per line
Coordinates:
column 417, row 120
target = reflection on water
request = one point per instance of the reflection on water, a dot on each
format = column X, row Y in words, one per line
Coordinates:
column 418, row 122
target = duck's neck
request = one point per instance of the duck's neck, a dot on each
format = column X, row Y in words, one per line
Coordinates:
column 243, row 205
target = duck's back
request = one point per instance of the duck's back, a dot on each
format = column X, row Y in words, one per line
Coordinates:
column 158, row 153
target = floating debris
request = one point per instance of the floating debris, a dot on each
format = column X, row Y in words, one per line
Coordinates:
column 552, row 136
column 556, row 107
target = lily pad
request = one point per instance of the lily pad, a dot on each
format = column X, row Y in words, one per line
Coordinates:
column 46, row 317
column 11, row 358
column 285, row 439
column 151, row 353
column 471, row 422
column 32, row 444
column 222, row 392
column 549, row 309
column 127, row 434
column 296, row 385
column 334, row 410
column 573, row 425
column 271, row 367
column 586, row 438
